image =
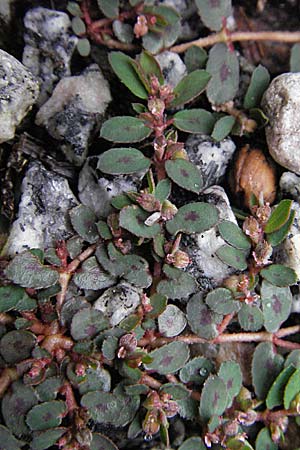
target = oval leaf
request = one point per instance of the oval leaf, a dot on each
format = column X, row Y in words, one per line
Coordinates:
column 291, row 389
column 295, row 58
column 279, row 275
column 222, row 128
column 277, row 303
column 172, row 321
column 264, row 441
column 233, row 235
column 169, row 358
column 221, row 301
column 117, row 161
column 190, row 87
column 46, row 415
column 196, row 370
column 278, row 236
column 91, row 276
column 150, row 66
column 123, row 66
column 8, row 441
column 125, row 129
column 275, row 394
column 214, row 398
column 279, row 216
column 185, row 174
column 110, row 8
column 231, row 374
column 250, row 318
column 194, row 121
column 195, row 58
column 259, row 82
column 14, row 297
column 201, row 319
column 46, row 439
column 193, row 218
column 212, row 12
column 179, row 284
column 193, row 443
column 232, row 257
column 100, row 442
column 83, row 221
column 20, row 340
column 133, row 218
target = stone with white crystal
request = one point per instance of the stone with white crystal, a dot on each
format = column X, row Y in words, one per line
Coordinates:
column 172, row 66
column 290, row 185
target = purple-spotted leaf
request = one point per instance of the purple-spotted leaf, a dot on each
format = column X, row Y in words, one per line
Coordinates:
column 86, row 323
column 278, row 236
column 136, row 270
column 276, row 303
column 172, row 321
column 17, row 345
column 124, row 68
column 92, row 276
column 250, row 317
column 223, row 66
column 279, row 275
column 132, row 218
column 27, row 271
column 266, row 365
column 231, row 374
column 195, row 58
column 221, row 301
column 179, row 284
column 275, row 394
column 194, row 121
column 232, row 257
column 279, row 216
column 45, row 439
column 222, row 128
column 118, row 161
column 264, row 441
column 202, row 320
column 190, row 87
column 110, row 8
column 196, row 370
column 46, row 415
column 166, row 29
column 213, row 11
column 233, row 235
column 193, row 443
column 185, row 174
column 259, row 82
column 177, row 390
column 214, row 398
column 150, row 66
column 8, row 441
column 125, row 129
column 101, row 442
column 292, row 388
column 14, row 297
column 83, row 221
column 193, row 218
column 158, row 303
column 170, row 358
column 117, row 409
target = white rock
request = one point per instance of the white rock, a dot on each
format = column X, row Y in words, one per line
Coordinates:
column 206, row 267
column 43, row 211
column 290, row 185
column 281, row 103
column 172, row 66
column 118, row 302
column 49, row 47
column 18, row 92
column 211, row 158
column 75, row 110
column 5, row 10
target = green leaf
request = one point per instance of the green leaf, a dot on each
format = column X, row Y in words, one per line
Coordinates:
column 96, row 378
column 279, row 275
column 232, row 257
column 86, row 323
column 194, row 121
column 83, row 221
column 193, row 218
column 277, row 303
column 48, row 389
column 233, row 235
column 101, row 442
column 8, row 441
column 92, row 276
column 166, row 29
column 190, row 87
column 223, row 66
column 264, row 441
column 137, row 389
column 109, row 347
column 84, row 47
column 169, row 359
column 104, row 230
column 222, row 128
column 74, row 9
column 195, row 58
column 125, row 129
column 259, row 82
column 193, row 443
column 238, row 444
column 293, row 358
column 163, row 190
column 196, row 370
column 275, row 394
column 123, row 31
column 231, row 374
column 202, row 320
column 117, row 161
column 278, row 236
column 121, row 200
column 179, row 284
column 124, row 68
column 150, row 66
column 295, row 58
column 250, row 317
column 17, row 345
column 177, row 390
column 27, row 271
column 221, row 301
column 279, row 216
column 110, row 8
column 266, row 365
column 46, row 415
column 172, row 321
column 158, row 303
column 212, row 12
column 78, row 26
column 185, row 174
column 214, row 398
column 136, row 271
column 45, row 439
column 14, row 297
column 292, row 388
column 133, row 218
